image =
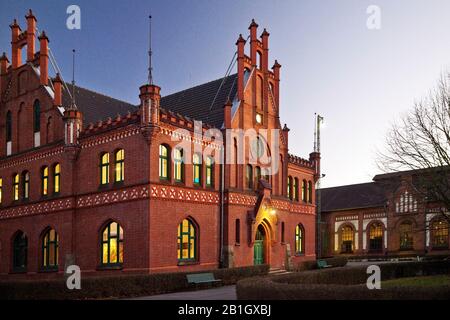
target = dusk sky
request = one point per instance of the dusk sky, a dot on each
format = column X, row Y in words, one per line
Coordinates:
column 360, row 80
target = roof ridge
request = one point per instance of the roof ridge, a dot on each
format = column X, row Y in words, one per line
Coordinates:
column 100, row 94
column 350, row 185
column 199, row 85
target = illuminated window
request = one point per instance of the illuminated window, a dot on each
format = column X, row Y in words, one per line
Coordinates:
column 104, row 169
column 8, row 126
column 187, row 241
column 112, row 245
column 197, row 169
column 299, row 238
column 37, row 116
column 295, row 189
column 289, row 187
column 238, row 231
column 304, row 191
column 44, row 180
column 56, row 178
column 310, row 192
column 209, row 171
column 376, row 237
column 259, row 118
column 439, row 229
column 20, row 252
column 26, row 185
column 406, row 238
column 178, row 165
column 282, row 232
column 50, row 244
column 16, row 182
column 1, row 190
column 119, row 164
column 163, row 162
column 347, row 238
column 249, row 176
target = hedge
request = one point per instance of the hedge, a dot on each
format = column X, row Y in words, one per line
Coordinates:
column 119, row 286
column 345, row 284
column 312, row 264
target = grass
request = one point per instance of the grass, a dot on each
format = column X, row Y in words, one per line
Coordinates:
column 427, row 281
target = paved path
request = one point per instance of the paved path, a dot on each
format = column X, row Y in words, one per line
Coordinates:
column 222, row 293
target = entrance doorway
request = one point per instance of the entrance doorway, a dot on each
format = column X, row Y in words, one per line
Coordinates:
column 258, row 247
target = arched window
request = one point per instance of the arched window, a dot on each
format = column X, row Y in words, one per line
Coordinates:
column 310, row 192
column 37, row 116
column 163, row 162
column 238, row 231
column 439, row 230
column 249, row 176
column 257, row 176
column 1, row 190
column 187, row 241
column 25, row 185
column 119, row 166
column 50, row 243
column 259, row 59
column 209, row 171
column 178, row 165
column 259, row 97
column 56, row 178
column 406, row 237
column 16, row 183
column 104, row 169
column 347, row 239
column 44, row 181
column 197, row 169
column 289, row 187
column 20, row 252
column 8, row 126
column 304, row 191
column 112, row 245
column 376, row 237
column 236, row 171
column 295, row 189
column 299, row 239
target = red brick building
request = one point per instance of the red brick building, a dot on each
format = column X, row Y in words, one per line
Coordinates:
column 389, row 217
column 105, row 185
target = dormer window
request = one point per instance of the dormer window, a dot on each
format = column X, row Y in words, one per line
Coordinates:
column 406, row 203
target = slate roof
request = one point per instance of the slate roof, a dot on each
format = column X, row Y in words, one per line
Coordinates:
column 196, row 102
column 364, row 195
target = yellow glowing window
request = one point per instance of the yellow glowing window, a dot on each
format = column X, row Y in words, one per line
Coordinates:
column 104, row 169
column 26, row 186
column 295, row 189
column 163, row 162
column 209, row 171
column 178, row 165
column 16, row 181
column 50, row 249
column 299, row 247
column 197, row 169
column 44, row 179
column 289, row 187
column 57, row 178
column 187, row 241
column 120, row 166
column 1, row 190
column 440, row 234
column 112, row 244
column 304, row 191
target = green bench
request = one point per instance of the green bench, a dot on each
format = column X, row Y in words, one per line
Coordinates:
column 200, row 278
column 322, row 264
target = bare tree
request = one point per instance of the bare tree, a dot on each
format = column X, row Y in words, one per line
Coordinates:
column 420, row 141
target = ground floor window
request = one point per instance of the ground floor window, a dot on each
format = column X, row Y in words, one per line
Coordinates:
column 112, row 245
column 406, row 238
column 376, row 237
column 50, row 249
column 20, row 252
column 439, row 229
column 347, row 239
column 187, row 241
column 299, row 240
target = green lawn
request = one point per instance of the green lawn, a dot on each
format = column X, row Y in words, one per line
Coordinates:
column 428, row 281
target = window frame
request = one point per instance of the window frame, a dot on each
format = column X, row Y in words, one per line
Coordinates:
column 196, row 169
column 104, row 169
column 119, row 238
column 299, row 240
column 44, row 181
column 119, row 166
column 16, row 187
column 439, row 239
column 180, row 243
column 164, row 160
column 178, row 165
column 209, row 174
column 25, row 185
column 36, row 116
column 56, row 178
column 248, row 176
column 8, row 126
column 23, row 250
column 46, row 246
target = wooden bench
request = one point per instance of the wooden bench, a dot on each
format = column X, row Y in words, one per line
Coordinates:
column 200, row 278
column 322, row 264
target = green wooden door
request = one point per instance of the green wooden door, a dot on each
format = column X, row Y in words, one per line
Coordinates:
column 258, row 249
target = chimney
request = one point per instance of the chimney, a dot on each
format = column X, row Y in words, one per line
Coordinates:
column 31, row 35
column 43, row 58
column 57, row 84
column 253, row 41
column 150, row 99
column 265, row 58
column 240, row 57
column 276, row 71
column 227, row 114
column 16, row 52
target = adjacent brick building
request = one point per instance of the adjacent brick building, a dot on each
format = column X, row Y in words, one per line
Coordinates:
column 391, row 216
column 104, row 184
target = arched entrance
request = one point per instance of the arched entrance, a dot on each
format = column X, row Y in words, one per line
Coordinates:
column 259, row 246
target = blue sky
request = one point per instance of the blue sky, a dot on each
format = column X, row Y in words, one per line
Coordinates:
column 360, row 80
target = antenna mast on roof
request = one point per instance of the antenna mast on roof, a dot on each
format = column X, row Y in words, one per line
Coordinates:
column 150, row 68
column 73, row 80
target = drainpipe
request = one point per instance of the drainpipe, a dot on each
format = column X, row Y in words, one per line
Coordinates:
column 222, row 187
